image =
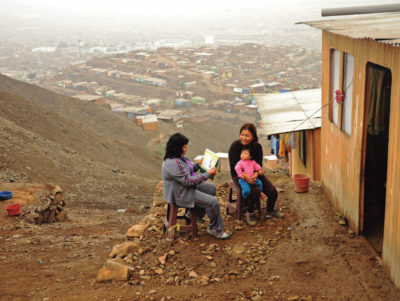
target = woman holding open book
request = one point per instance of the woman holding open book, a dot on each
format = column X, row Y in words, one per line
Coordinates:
column 185, row 188
column 248, row 139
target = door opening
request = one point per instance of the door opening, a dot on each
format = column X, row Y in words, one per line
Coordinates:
column 376, row 140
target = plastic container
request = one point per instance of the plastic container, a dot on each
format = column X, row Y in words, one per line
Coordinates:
column 5, row 195
column 14, row 209
column 301, row 182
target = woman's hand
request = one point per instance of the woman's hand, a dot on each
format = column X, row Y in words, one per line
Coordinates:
column 213, row 171
column 200, row 161
column 254, row 178
column 247, row 178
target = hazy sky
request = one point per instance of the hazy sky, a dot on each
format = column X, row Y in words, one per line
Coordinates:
column 155, row 19
column 173, row 6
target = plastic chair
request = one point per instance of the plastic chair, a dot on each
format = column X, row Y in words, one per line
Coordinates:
column 171, row 225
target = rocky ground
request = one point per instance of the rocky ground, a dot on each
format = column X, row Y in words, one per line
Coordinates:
column 306, row 255
column 109, row 169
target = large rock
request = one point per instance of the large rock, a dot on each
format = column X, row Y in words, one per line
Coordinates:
column 124, row 249
column 159, row 211
column 150, row 218
column 136, row 230
column 114, row 269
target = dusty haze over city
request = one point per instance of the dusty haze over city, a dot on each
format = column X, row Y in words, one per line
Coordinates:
column 46, row 23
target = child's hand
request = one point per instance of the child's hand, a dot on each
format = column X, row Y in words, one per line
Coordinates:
column 260, row 172
column 254, row 178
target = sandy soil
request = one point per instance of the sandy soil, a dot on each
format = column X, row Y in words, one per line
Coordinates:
column 304, row 256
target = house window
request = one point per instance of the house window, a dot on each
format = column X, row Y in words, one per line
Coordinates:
column 335, row 85
column 302, row 147
column 342, row 69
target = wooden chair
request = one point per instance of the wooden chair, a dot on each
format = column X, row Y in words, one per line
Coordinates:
column 171, row 225
column 238, row 205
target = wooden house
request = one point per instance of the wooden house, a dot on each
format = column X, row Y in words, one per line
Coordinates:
column 116, row 107
column 134, row 111
column 150, row 122
column 90, row 98
column 170, row 115
column 257, row 88
column 198, row 99
column 299, row 114
column 360, row 167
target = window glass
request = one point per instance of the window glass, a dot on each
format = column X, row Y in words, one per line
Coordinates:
column 348, row 92
column 335, row 85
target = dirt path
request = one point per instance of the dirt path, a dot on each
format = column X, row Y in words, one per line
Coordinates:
column 305, row 256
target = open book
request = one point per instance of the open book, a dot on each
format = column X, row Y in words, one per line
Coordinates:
column 210, row 160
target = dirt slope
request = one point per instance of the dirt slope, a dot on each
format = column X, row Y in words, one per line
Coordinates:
column 40, row 145
column 93, row 153
column 305, row 256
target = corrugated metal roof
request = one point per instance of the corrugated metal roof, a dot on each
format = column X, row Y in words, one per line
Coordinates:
column 292, row 111
column 384, row 28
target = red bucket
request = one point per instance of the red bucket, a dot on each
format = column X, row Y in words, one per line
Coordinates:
column 301, row 182
column 14, row 209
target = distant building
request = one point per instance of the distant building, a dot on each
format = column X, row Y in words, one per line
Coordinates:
column 44, row 49
column 89, row 98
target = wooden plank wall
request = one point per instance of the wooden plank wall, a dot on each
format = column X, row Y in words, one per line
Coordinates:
column 313, row 155
column 341, row 153
column 316, row 150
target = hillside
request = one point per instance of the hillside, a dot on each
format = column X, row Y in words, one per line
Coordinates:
column 93, row 153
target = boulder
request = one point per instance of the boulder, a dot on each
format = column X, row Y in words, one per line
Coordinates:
column 136, row 230
column 124, row 249
column 114, row 269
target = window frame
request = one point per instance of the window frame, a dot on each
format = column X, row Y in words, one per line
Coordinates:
column 342, row 77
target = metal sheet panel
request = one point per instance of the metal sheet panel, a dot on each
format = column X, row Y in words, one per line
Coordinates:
column 384, row 28
column 292, row 111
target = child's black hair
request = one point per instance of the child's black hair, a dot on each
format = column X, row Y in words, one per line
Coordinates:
column 250, row 149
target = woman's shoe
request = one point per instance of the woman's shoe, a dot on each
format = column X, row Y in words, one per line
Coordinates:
column 274, row 214
column 219, row 234
column 251, row 221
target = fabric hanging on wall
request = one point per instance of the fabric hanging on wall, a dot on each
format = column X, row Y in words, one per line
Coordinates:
column 378, row 101
column 273, row 144
column 282, row 149
column 286, row 139
column 276, row 147
column 292, row 141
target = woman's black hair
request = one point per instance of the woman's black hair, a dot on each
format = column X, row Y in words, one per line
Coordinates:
column 174, row 146
column 252, row 129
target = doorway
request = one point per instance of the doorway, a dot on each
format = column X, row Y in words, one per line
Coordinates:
column 375, row 153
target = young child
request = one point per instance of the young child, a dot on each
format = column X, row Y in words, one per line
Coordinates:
column 248, row 167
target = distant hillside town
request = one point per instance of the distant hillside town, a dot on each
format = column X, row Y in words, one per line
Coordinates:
column 168, row 81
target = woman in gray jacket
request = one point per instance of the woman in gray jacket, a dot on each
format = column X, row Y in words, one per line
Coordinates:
column 186, row 189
